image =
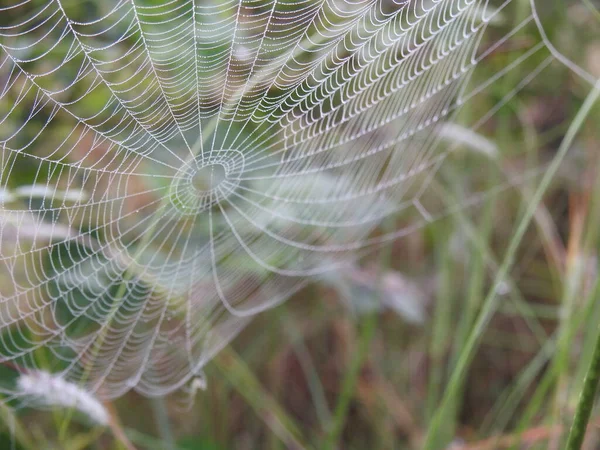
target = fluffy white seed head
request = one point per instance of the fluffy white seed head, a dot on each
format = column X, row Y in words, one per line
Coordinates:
column 50, row 390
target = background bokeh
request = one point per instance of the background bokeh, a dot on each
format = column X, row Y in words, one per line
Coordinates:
column 361, row 358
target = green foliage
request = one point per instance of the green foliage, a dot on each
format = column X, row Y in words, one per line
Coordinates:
column 510, row 331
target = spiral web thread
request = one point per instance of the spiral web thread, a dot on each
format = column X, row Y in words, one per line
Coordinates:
column 192, row 163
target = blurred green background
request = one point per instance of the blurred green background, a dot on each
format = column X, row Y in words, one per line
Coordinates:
column 362, row 359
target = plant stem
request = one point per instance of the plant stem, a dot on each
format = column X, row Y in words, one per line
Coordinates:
column 15, row 428
column 237, row 373
column 586, row 401
column 350, row 380
column 490, row 302
column 162, row 422
column 369, row 325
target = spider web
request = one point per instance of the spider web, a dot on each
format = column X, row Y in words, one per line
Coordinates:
column 192, row 163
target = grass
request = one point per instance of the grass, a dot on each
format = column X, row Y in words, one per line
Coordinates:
column 490, row 302
column 587, row 399
column 508, row 352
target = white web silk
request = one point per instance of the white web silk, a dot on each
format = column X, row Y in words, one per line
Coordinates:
column 191, row 163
